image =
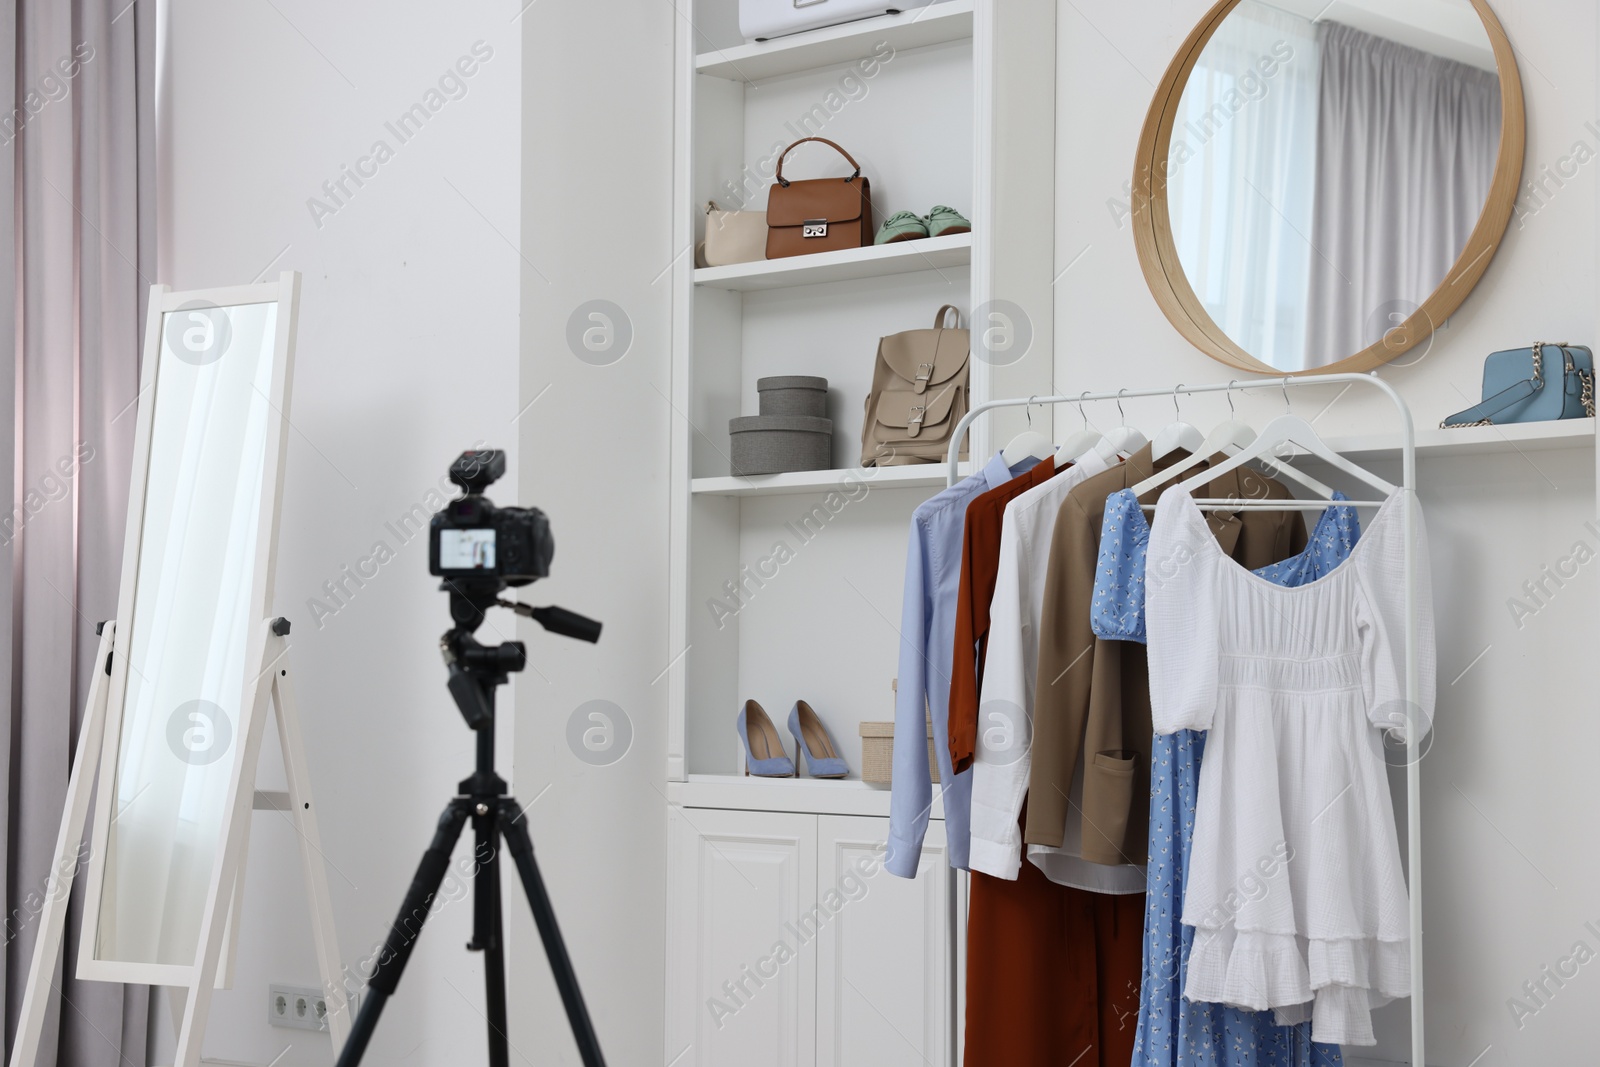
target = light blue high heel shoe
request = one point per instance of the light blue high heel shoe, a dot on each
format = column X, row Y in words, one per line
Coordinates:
column 763, row 748
column 813, row 741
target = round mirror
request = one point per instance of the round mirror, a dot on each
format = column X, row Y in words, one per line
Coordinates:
column 1319, row 185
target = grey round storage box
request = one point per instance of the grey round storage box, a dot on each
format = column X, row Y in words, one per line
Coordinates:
column 793, row 394
column 775, row 444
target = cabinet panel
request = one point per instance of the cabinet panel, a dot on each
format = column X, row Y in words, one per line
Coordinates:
column 883, row 955
column 741, row 977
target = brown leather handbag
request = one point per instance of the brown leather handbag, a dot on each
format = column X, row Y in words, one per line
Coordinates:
column 818, row 214
column 919, row 394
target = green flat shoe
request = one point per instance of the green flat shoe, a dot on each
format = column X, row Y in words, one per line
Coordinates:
column 901, row 226
column 943, row 220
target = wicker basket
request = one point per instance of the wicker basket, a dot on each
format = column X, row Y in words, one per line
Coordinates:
column 877, row 752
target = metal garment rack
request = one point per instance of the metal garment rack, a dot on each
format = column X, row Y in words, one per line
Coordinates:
column 1408, row 486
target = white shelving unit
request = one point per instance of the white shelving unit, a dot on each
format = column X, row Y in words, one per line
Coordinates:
column 929, row 476
column 852, row 264
column 803, row 795
column 1475, row 440
column 833, row 45
column 925, row 100
column 789, row 586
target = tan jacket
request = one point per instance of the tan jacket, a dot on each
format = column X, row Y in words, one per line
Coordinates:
column 1092, row 703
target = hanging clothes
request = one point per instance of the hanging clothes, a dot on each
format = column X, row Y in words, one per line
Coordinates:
column 1006, row 705
column 1052, row 974
column 980, row 566
column 1091, row 740
column 1052, row 970
column 1294, row 884
column 1173, row 1032
column 927, row 627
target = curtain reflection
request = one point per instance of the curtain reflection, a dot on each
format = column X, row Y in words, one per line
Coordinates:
column 1243, row 168
column 1406, row 147
column 1323, row 180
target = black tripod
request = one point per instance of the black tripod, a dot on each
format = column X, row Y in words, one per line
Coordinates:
column 476, row 670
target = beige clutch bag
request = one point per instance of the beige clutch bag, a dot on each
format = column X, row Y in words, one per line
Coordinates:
column 734, row 236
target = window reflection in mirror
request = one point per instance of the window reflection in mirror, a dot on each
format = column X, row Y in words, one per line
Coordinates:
column 1328, row 163
column 190, row 631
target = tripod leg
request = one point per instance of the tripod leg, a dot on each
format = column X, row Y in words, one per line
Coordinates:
column 488, row 935
column 407, row 926
column 520, row 846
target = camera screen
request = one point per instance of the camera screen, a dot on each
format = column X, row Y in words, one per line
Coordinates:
column 461, row 550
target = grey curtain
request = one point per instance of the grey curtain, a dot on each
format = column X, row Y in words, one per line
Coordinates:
column 77, row 255
column 1406, row 146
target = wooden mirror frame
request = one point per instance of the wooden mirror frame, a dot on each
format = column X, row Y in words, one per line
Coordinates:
column 1158, row 254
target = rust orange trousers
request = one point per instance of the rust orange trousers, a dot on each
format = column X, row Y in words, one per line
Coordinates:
column 1052, row 974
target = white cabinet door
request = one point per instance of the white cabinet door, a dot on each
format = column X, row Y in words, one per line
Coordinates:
column 741, row 972
column 883, row 950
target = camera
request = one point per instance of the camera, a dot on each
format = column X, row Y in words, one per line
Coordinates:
column 473, row 542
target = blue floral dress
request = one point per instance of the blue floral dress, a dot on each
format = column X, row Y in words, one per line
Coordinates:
column 1174, row 1032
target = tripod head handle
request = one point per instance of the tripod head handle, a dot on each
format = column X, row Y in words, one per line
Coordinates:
column 558, row 620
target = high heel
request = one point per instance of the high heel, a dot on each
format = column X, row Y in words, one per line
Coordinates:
column 813, row 741
column 764, row 756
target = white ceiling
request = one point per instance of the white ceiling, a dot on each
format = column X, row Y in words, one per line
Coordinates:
column 1449, row 28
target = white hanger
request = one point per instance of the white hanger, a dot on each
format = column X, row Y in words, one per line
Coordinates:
column 1124, row 441
column 1080, row 442
column 1228, row 438
column 1288, row 429
column 1029, row 442
column 1176, row 434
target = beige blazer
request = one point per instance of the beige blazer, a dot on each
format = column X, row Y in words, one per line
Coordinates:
column 1092, row 704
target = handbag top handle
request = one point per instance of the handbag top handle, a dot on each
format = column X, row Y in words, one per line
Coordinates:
column 940, row 315
column 785, row 182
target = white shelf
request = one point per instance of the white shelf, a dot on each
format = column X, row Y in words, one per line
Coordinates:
column 832, row 45
column 1462, row 441
column 810, row 796
column 1473, row 440
column 851, row 264
column 920, row 476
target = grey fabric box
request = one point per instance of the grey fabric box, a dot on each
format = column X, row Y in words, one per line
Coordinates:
column 793, row 394
column 775, row 444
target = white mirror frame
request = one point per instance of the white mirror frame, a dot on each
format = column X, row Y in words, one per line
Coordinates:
column 285, row 292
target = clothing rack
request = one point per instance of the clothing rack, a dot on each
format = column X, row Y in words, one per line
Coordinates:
column 1408, row 486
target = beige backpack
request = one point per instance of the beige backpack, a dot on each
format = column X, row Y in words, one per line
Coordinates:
column 919, row 394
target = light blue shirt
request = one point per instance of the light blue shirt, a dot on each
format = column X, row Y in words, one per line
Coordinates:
column 927, row 640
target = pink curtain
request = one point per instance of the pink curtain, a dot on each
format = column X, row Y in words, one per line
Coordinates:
column 77, row 159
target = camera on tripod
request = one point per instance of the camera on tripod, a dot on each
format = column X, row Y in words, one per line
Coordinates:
column 473, row 540
column 479, row 549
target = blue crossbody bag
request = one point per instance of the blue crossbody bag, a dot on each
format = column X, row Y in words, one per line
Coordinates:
column 1538, row 384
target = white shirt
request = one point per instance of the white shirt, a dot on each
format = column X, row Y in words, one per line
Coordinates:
column 1005, row 708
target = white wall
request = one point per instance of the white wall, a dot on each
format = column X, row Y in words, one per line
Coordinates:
column 596, row 225
column 1508, row 787
column 407, row 354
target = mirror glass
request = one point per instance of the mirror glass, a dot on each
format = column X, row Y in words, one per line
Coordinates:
column 190, row 629
column 1328, row 163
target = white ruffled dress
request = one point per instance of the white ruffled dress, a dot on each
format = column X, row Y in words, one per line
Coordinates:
column 1295, row 887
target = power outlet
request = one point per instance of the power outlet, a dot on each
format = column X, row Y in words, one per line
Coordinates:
column 298, row 1007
